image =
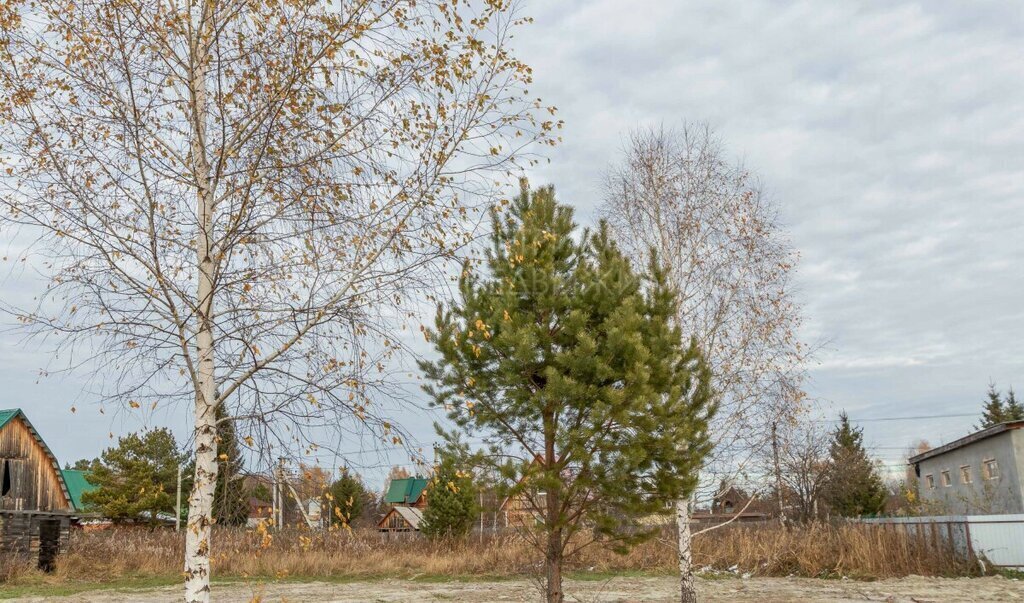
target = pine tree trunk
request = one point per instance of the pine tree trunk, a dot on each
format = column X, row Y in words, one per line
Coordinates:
column 200, row 502
column 553, row 557
column 687, row 584
column 553, row 563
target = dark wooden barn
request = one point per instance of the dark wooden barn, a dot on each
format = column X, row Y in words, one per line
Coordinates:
column 36, row 507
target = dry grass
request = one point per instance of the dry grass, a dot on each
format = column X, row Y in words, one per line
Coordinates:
column 828, row 550
column 364, row 554
column 859, row 551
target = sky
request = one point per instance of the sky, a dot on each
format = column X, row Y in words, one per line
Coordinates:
column 890, row 134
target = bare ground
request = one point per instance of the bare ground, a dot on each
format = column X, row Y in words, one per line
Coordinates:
column 913, row 589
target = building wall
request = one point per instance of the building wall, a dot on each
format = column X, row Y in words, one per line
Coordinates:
column 1002, row 494
column 35, row 485
column 1018, row 452
column 25, row 534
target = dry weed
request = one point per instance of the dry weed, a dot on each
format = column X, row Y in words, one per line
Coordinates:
column 818, row 550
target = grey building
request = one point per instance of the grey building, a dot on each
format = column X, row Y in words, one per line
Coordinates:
column 979, row 474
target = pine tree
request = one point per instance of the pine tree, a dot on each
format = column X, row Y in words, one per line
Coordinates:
column 560, row 354
column 347, row 498
column 994, row 411
column 451, row 501
column 136, row 480
column 230, row 500
column 82, row 465
column 1014, row 410
column 854, row 486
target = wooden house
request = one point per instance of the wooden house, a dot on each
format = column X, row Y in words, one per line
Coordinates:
column 522, row 509
column 36, row 506
column 401, row 519
column 518, row 511
column 407, row 497
column 259, row 511
column 732, row 504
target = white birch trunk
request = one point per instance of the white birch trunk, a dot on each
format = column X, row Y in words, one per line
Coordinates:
column 200, row 502
column 687, row 585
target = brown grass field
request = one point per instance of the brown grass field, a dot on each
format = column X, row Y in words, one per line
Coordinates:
column 124, row 557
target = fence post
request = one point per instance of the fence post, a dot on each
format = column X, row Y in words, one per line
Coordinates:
column 967, row 535
column 952, row 543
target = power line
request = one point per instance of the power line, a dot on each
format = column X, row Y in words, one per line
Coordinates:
column 917, row 418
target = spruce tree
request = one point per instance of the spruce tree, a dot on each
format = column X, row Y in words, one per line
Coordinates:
column 1014, row 411
column 451, row 501
column 230, row 499
column 854, row 486
column 347, row 498
column 994, row 411
column 560, row 355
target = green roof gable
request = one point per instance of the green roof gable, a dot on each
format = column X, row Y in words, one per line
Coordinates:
column 406, row 491
column 7, row 415
column 77, row 486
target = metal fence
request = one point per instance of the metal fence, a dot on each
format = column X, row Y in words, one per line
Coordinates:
column 997, row 539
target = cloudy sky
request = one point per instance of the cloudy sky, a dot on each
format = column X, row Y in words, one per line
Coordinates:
column 890, row 133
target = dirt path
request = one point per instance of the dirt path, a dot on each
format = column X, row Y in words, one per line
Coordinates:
column 905, row 590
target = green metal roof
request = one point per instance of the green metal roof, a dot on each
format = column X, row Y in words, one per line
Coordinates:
column 7, row 415
column 77, row 486
column 405, row 491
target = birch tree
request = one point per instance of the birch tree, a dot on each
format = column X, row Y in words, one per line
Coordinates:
column 234, row 200
column 804, row 469
column 726, row 255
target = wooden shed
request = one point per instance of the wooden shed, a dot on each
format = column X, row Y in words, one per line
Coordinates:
column 36, row 506
column 401, row 519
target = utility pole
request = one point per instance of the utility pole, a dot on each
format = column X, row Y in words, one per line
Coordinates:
column 177, row 504
column 278, row 494
column 778, row 472
column 273, row 498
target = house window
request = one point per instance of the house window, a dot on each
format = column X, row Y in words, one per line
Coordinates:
column 728, row 506
column 965, row 474
column 929, row 480
column 990, row 469
column 946, row 480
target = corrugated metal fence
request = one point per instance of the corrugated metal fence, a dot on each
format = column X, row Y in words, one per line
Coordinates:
column 999, row 539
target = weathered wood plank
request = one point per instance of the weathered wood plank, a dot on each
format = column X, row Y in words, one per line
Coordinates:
column 32, row 472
